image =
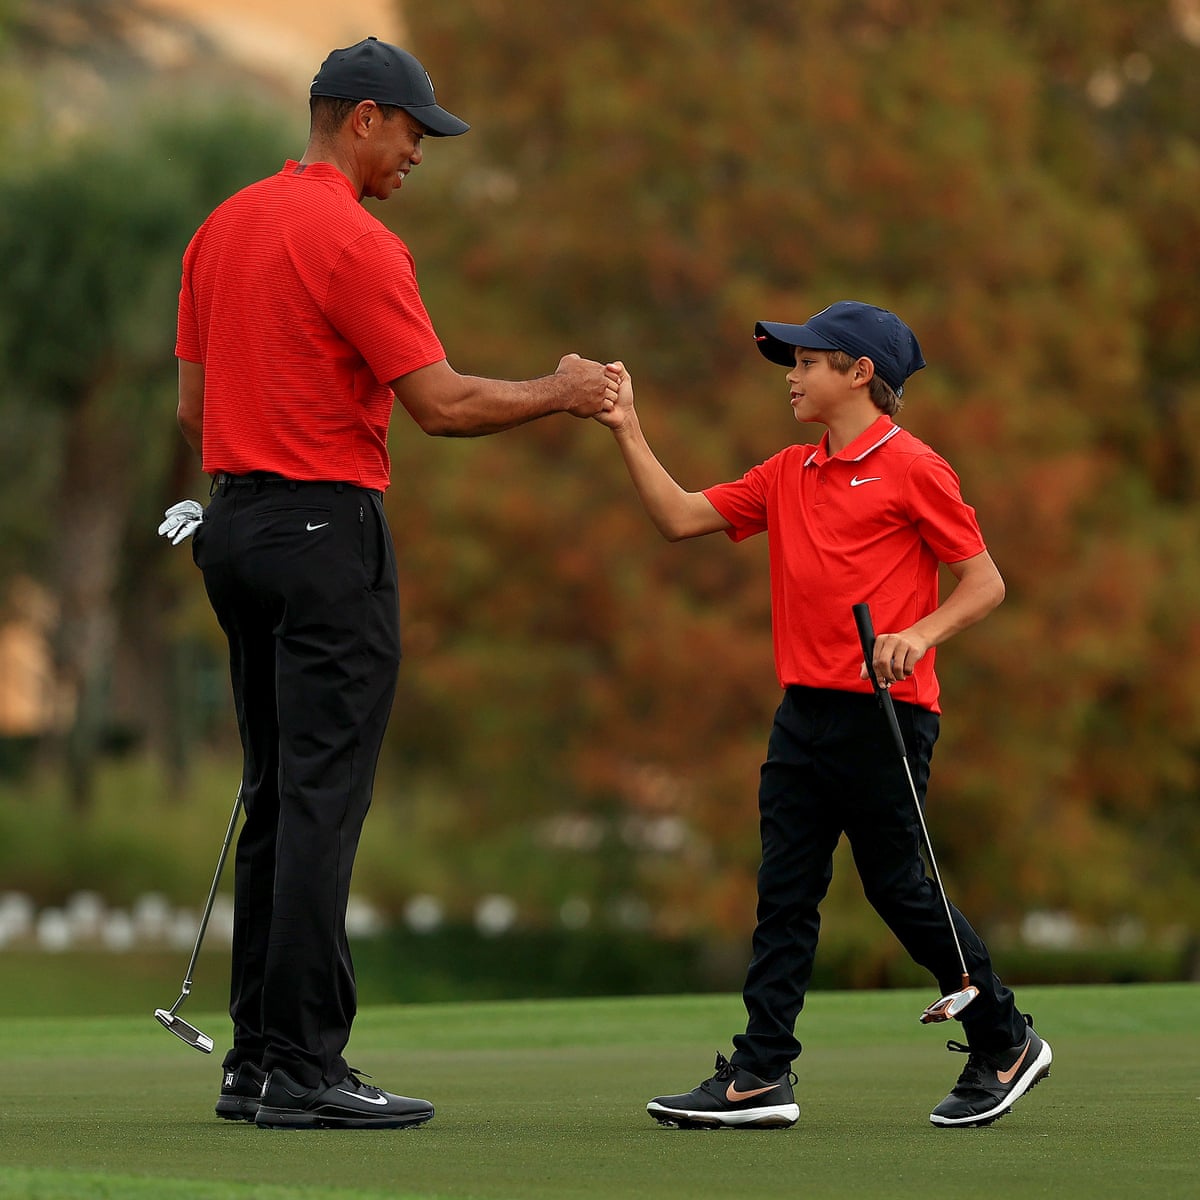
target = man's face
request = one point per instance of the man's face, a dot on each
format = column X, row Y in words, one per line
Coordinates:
column 393, row 149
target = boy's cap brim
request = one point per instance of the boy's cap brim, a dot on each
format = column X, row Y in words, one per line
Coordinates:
column 778, row 342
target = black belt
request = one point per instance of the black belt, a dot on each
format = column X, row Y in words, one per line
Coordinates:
column 222, row 482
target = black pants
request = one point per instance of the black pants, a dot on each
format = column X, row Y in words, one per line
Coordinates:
column 833, row 768
column 302, row 578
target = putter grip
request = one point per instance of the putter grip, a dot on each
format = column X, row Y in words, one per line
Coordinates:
column 866, row 638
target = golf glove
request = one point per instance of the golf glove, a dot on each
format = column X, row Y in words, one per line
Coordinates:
column 182, row 520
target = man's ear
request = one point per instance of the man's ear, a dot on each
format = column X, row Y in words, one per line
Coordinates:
column 363, row 116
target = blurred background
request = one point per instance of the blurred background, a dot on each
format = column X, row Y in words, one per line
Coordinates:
column 567, row 796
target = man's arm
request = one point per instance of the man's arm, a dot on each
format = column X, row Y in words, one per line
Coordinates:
column 677, row 514
column 191, row 404
column 978, row 590
column 446, row 404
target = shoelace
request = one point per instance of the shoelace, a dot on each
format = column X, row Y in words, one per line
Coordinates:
column 979, row 1064
column 974, row 1073
column 725, row 1071
column 358, row 1077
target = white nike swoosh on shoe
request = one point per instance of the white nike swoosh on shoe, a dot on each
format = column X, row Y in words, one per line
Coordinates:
column 360, row 1096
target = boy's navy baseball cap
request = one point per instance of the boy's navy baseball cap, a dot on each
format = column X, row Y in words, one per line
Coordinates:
column 379, row 71
column 861, row 330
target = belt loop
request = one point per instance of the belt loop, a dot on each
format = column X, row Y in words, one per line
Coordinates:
column 293, row 486
column 339, row 488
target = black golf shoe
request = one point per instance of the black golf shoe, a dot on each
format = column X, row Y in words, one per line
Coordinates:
column 347, row 1104
column 241, row 1089
column 992, row 1083
column 732, row 1098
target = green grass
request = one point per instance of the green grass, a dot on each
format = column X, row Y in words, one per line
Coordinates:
column 546, row 1100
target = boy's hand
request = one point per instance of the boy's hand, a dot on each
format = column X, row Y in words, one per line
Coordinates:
column 896, row 656
column 621, row 411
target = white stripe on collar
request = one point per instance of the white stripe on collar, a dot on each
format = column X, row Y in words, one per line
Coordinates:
column 895, row 429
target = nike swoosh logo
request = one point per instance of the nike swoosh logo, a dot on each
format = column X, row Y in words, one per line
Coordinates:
column 1009, row 1075
column 856, row 482
column 310, row 527
column 360, row 1096
column 733, row 1095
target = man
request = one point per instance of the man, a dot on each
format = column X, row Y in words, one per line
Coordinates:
column 867, row 514
column 300, row 321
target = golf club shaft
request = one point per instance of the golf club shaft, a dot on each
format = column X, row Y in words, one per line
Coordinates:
column 212, row 895
column 866, row 636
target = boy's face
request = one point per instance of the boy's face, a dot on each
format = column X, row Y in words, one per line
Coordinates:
column 817, row 389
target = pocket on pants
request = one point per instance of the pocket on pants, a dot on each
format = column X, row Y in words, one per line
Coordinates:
column 377, row 552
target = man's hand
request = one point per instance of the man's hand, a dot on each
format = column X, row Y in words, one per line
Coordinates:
column 622, row 411
column 594, row 390
column 182, row 520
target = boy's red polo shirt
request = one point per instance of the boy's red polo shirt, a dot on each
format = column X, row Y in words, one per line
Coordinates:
column 869, row 523
column 302, row 307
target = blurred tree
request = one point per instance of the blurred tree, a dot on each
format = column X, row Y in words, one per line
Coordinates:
column 91, row 237
column 646, row 181
column 583, row 708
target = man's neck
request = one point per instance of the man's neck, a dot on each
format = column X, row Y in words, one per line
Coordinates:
column 332, row 153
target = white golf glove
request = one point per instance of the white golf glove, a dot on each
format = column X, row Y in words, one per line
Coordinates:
column 182, row 520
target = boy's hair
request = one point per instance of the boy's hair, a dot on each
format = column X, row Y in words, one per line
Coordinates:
column 881, row 393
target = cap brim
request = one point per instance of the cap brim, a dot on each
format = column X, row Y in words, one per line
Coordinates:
column 778, row 342
column 437, row 121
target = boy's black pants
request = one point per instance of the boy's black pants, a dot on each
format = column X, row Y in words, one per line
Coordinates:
column 302, row 578
column 833, row 768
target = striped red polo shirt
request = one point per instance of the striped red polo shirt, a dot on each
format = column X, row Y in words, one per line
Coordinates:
column 870, row 523
column 302, row 308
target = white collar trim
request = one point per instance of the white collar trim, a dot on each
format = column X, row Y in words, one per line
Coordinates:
column 895, row 429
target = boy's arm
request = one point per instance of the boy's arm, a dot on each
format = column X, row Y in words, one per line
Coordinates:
column 979, row 590
column 677, row 514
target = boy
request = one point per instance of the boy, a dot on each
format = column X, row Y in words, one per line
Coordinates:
column 867, row 514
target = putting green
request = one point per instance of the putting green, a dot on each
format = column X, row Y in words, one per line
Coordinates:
column 546, row 1100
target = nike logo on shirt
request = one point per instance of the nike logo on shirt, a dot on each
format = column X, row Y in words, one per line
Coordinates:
column 856, row 482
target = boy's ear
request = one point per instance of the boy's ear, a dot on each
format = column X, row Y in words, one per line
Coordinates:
column 863, row 372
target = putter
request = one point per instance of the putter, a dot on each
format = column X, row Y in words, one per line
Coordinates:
column 167, row 1016
column 952, row 1004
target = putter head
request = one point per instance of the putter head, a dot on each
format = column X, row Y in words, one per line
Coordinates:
column 183, row 1031
column 950, row 1005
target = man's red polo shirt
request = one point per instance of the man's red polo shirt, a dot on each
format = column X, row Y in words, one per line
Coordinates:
column 869, row 523
column 302, row 308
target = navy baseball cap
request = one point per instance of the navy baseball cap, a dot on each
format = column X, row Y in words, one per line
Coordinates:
column 379, row 71
column 861, row 330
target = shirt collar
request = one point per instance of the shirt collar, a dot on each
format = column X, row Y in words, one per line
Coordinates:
column 870, row 439
column 319, row 170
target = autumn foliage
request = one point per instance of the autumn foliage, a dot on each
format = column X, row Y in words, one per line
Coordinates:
column 583, row 708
